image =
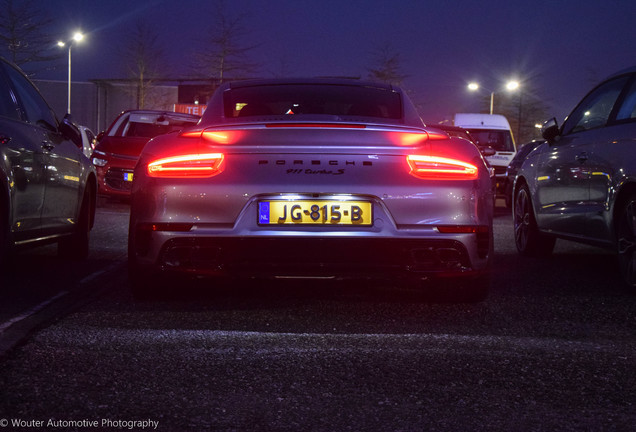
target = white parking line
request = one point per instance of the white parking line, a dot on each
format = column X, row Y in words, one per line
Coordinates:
column 31, row 311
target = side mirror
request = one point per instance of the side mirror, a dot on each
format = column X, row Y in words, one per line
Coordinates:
column 70, row 130
column 550, row 130
column 487, row 151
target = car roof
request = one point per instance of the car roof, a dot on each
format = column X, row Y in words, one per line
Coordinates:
column 622, row 72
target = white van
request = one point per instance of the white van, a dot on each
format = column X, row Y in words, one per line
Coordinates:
column 491, row 130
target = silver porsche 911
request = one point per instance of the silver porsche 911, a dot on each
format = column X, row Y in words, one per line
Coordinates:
column 312, row 179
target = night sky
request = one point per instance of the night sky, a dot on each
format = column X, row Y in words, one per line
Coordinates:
column 559, row 48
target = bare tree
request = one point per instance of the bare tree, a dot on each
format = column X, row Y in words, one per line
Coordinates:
column 524, row 111
column 23, row 35
column 226, row 55
column 524, row 108
column 386, row 66
column 144, row 60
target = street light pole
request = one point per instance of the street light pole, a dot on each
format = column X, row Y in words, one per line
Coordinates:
column 76, row 38
column 68, row 105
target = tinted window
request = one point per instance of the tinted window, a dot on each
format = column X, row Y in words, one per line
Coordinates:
column 294, row 99
column 8, row 107
column 595, row 109
column 36, row 109
column 627, row 109
column 149, row 125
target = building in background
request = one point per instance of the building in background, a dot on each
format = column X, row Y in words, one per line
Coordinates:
column 96, row 103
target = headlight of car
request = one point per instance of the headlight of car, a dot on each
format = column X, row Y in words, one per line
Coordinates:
column 99, row 162
column 97, row 159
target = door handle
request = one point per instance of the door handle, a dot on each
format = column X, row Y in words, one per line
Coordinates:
column 47, row 145
column 581, row 157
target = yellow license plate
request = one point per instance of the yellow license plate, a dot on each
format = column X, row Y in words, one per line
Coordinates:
column 315, row 212
column 128, row 176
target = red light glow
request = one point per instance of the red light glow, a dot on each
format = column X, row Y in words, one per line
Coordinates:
column 218, row 136
column 222, row 136
column 191, row 134
column 409, row 138
column 462, row 229
column 166, row 226
column 316, row 125
column 441, row 168
column 188, row 166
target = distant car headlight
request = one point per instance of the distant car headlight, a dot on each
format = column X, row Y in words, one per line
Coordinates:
column 99, row 162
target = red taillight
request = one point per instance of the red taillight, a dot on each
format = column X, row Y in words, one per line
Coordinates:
column 188, row 166
column 441, row 168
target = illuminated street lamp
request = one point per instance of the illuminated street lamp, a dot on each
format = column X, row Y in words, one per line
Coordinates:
column 77, row 37
column 510, row 86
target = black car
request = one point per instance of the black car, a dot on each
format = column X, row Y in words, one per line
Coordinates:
column 47, row 184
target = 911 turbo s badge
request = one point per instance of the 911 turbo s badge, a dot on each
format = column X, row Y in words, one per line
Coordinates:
column 316, row 170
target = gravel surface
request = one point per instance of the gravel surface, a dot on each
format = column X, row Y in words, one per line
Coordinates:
column 552, row 348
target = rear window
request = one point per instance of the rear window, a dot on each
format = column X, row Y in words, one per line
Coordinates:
column 500, row 140
column 147, row 130
column 298, row 99
column 150, row 125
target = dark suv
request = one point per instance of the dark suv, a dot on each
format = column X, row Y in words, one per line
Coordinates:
column 580, row 184
column 47, row 184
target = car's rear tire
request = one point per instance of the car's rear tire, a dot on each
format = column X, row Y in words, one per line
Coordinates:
column 76, row 246
column 625, row 222
column 528, row 239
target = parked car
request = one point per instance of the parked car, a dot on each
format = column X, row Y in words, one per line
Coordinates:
column 88, row 140
column 47, row 185
column 312, row 179
column 492, row 134
column 513, row 168
column 118, row 148
column 581, row 183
